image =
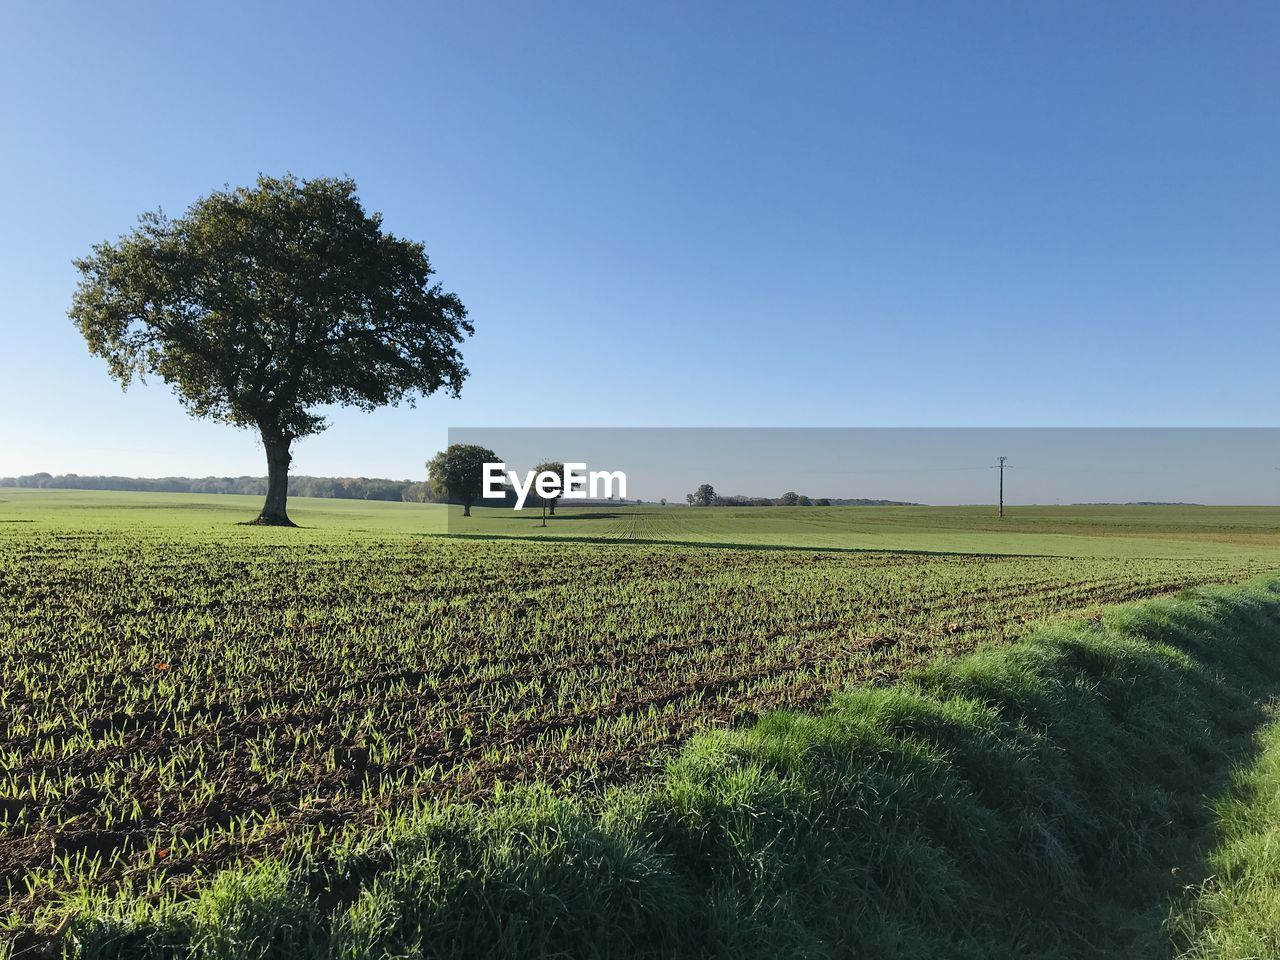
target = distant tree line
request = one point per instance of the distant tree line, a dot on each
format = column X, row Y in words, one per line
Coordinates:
column 706, row 496
column 341, row 488
column 467, row 481
column 455, row 472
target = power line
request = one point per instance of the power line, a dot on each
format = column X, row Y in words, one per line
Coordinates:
column 1000, row 465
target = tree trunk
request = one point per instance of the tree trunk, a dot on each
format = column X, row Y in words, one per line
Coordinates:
column 551, row 503
column 278, row 457
column 466, row 509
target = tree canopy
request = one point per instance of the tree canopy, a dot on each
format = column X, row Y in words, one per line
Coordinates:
column 704, row 496
column 556, row 467
column 457, row 473
column 262, row 304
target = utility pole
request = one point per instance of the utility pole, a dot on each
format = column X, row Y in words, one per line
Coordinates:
column 1000, row 466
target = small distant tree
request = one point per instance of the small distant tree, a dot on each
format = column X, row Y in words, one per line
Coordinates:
column 789, row 499
column 663, row 501
column 803, row 501
column 704, row 496
column 457, row 473
column 822, row 502
column 262, row 304
column 556, row 467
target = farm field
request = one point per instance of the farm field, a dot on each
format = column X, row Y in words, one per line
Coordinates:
column 1046, row 530
column 181, row 693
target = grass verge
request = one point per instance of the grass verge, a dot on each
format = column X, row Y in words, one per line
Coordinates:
column 1235, row 914
column 1044, row 799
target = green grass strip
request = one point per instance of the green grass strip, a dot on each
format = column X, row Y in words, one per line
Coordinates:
column 1045, row 799
column 1236, row 912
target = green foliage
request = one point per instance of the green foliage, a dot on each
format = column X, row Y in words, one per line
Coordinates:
column 262, row 303
column 549, row 466
column 457, row 473
column 704, row 496
column 1025, row 801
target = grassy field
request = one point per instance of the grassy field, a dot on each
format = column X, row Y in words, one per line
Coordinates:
column 183, row 693
column 1076, row 531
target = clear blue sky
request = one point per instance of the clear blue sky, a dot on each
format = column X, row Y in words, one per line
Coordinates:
column 740, row 214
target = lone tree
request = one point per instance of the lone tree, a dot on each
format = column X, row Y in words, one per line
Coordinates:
column 704, row 496
column 556, row 467
column 457, row 473
column 263, row 303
